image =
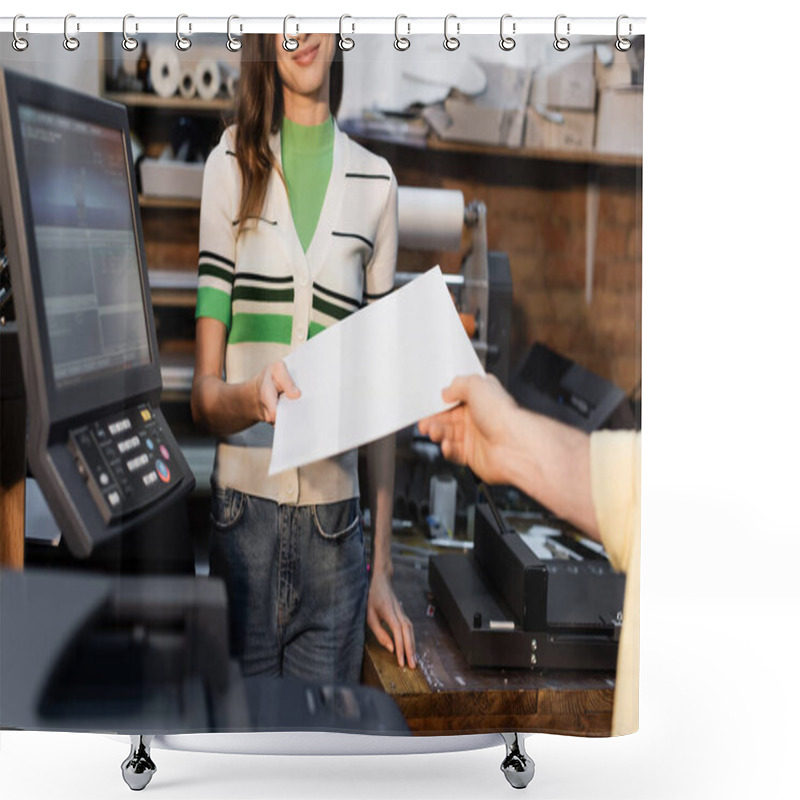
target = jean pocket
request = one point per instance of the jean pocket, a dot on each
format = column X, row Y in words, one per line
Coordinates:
column 227, row 507
column 337, row 521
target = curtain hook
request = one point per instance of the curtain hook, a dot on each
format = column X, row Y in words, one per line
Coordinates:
column 233, row 44
column 622, row 44
column 451, row 42
column 290, row 44
column 70, row 42
column 18, row 43
column 128, row 42
column 181, row 42
column 561, row 43
column 507, row 42
column 401, row 42
column 345, row 42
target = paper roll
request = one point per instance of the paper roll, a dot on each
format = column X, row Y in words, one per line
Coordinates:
column 430, row 219
column 207, row 79
column 165, row 71
column 230, row 78
column 187, row 85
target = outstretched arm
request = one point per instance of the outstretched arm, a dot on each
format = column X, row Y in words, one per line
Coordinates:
column 226, row 408
column 503, row 443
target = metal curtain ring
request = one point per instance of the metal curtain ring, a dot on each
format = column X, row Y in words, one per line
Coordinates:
column 561, row 43
column 622, row 44
column 451, row 42
column 290, row 44
column 18, row 43
column 507, row 42
column 345, row 42
column 233, row 44
column 400, row 42
column 70, row 42
column 181, row 42
column 128, row 42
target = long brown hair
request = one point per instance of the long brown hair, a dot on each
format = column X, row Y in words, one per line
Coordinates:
column 259, row 111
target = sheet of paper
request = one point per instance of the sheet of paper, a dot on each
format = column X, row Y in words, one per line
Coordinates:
column 374, row 373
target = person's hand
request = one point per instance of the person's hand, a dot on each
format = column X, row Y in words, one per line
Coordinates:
column 273, row 381
column 478, row 431
column 383, row 608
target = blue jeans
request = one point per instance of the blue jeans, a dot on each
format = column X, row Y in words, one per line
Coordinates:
column 296, row 579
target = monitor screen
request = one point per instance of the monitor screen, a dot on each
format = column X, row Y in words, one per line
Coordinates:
column 85, row 241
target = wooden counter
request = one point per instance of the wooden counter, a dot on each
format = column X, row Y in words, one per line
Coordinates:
column 444, row 694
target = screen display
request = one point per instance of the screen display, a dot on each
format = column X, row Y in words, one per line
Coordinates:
column 86, row 245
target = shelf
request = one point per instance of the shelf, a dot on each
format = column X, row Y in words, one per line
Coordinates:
column 541, row 154
column 176, row 103
column 152, row 201
column 365, row 135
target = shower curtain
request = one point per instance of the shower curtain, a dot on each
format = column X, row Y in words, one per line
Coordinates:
column 517, row 170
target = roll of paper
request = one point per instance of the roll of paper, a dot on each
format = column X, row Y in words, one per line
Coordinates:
column 430, row 219
column 207, row 79
column 187, row 86
column 230, row 78
column 165, row 71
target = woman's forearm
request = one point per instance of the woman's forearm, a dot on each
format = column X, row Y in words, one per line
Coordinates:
column 224, row 408
column 381, row 463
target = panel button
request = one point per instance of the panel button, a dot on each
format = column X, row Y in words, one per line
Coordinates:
column 163, row 470
column 164, row 452
column 149, row 479
column 113, row 498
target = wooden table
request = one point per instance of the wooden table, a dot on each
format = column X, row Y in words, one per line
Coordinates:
column 445, row 695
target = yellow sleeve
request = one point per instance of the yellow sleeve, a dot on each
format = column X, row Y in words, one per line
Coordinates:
column 616, row 494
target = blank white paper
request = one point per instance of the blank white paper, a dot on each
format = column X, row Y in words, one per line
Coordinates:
column 372, row 374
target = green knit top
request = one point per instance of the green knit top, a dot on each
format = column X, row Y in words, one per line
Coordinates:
column 307, row 160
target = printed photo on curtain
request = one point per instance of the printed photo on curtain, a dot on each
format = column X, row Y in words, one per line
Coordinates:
column 328, row 350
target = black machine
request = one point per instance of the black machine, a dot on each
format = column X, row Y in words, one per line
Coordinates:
column 79, row 649
column 98, row 443
column 511, row 605
column 557, row 603
column 556, row 386
column 133, row 654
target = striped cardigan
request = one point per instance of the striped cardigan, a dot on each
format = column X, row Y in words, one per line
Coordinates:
column 256, row 279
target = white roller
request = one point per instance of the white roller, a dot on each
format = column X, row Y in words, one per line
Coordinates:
column 230, row 78
column 207, row 79
column 430, row 219
column 187, row 85
column 165, row 71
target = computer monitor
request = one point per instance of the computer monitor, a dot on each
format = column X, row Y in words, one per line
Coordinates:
column 97, row 442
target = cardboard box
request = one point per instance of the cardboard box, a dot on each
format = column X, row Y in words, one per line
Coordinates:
column 494, row 117
column 165, row 178
column 614, row 70
column 619, row 121
column 567, row 81
column 562, row 130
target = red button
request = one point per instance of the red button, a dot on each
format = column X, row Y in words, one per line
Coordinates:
column 164, row 452
column 163, row 470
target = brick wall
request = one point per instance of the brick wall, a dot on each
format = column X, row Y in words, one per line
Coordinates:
column 536, row 213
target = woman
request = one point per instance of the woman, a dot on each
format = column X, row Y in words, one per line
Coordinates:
column 298, row 227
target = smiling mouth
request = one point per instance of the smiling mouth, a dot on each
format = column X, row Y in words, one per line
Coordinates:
column 307, row 55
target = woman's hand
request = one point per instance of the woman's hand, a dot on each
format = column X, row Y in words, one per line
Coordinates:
column 273, row 381
column 384, row 611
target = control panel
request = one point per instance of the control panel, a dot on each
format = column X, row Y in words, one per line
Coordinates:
column 126, row 461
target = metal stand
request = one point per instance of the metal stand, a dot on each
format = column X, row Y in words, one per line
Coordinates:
column 517, row 766
column 138, row 768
